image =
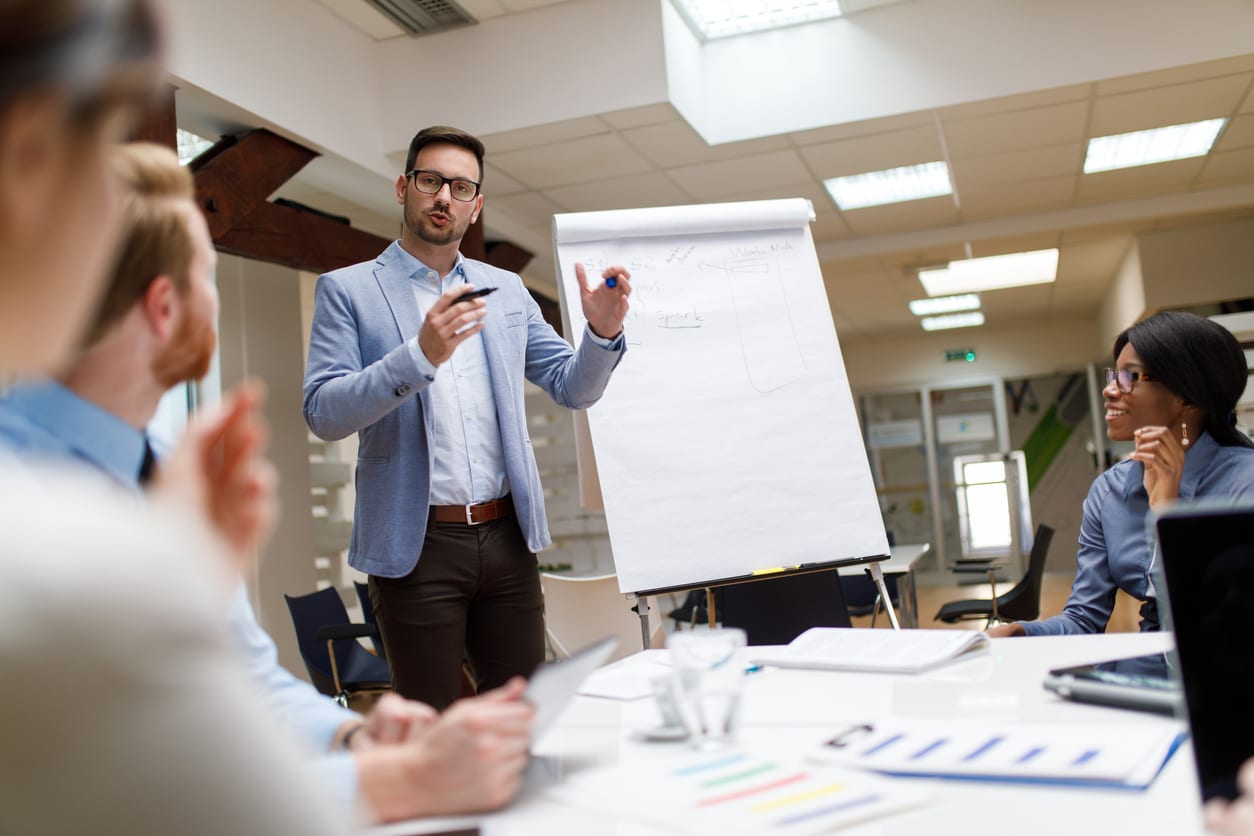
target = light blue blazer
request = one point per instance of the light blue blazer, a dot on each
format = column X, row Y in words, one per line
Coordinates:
column 362, row 378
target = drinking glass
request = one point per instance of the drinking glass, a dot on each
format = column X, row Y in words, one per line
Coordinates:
column 708, row 676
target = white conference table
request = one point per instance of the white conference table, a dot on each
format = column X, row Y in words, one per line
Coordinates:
column 900, row 566
column 788, row 713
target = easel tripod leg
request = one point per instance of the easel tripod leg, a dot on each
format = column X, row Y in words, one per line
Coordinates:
column 877, row 575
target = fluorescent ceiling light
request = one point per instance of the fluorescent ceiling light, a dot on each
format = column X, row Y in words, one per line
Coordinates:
column 991, row 273
column 1159, row 145
column 711, row 19
column 944, row 304
column 893, row 185
column 957, row 320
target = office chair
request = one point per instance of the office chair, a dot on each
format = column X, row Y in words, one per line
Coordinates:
column 777, row 610
column 1021, row 603
column 338, row 666
column 367, row 616
column 862, row 596
column 695, row 608
column 580, row 611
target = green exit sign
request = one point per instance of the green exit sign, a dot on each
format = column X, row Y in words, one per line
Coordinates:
column 960, row 355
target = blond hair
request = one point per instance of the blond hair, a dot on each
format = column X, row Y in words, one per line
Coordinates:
column 157, row 193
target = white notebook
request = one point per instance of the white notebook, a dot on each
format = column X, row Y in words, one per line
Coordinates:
column 886, row 651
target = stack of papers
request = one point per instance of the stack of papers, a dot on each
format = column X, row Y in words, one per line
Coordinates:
column 736, row 792
column 1127, row 756
column 884, row 651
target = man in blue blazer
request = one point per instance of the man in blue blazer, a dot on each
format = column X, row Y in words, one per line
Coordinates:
column 449, row 510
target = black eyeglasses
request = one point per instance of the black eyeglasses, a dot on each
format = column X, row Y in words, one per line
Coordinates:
column 1124, row 378
column 430, row 182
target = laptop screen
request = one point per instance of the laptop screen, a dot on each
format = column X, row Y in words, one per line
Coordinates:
column 1206, row 576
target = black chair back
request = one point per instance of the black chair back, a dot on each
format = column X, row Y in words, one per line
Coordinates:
column 357, row 668
column 1023, row 601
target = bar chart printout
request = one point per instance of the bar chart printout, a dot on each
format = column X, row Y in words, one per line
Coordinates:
column 738, row 792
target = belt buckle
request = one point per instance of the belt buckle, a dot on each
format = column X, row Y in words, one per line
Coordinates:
column 470, row 520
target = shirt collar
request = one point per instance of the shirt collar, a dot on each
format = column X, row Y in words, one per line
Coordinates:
column 415, row 269
column 95, row 434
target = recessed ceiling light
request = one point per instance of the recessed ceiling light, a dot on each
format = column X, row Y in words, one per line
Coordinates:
column 711, row 19
column 957, row 320
column 893, row 185
column 993, row 272
column 1158, row 145
column 944, row 304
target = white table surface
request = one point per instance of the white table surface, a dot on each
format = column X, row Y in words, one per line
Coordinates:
column 790, row 712
column 902, row 560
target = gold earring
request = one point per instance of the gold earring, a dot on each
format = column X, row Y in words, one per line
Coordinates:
column 1184, row 431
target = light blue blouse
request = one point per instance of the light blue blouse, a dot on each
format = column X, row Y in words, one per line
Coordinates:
column 1117, row 544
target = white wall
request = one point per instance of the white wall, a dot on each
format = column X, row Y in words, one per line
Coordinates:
column 261, row 337
column 905, row 361
column 1196, row 265
column 1124, row 302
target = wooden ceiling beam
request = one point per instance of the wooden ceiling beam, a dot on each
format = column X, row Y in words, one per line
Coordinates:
column 298, row 238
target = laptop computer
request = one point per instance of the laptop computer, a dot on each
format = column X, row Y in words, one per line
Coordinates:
column 1205, row 585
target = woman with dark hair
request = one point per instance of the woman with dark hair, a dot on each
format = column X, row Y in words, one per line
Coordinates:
column 1173, row 391
column 122, row 712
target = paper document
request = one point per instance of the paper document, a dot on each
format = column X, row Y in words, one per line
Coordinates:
column 886, row 651
column 732, row 791
column 1123, row 756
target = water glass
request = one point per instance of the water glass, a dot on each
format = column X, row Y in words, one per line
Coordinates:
column 708, row 675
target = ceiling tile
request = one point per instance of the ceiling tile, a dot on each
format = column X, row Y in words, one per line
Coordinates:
column 637, row 191
column 524, row 5
column 1163, row 106
column 482, row 10
column 728, row 179
column 1014, row 244
column 675, row 144
column 1034, row 164
column 1233, row 166
column 636, row 117
column 828, row 226
column 543, row 134
column 1247, row 106
column 907, row 263
column 1001, row 304
column 1025, row 101
column 1140, row 181
column 527, row 208
column 932, row 211
column 1031, row 196
column 867, row 127
column 365, row 18
column 1239, row 133
column 1091, row 263
column 813, row 192
column 1176, row 75
column 497, row 182
column 874, row 153
column 1001, row 132
column 575, row 161
column 843, row 268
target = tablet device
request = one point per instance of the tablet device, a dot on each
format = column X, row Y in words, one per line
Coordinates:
column 1141, row 683
column 553, row 684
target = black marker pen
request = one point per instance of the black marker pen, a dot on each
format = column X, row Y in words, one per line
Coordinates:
column 473, row 294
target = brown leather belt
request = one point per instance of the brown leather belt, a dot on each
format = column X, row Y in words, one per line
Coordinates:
column 473, row 514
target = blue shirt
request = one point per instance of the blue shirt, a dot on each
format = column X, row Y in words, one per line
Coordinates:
column 468, row 461
column 47, row 422
column 1116, row 540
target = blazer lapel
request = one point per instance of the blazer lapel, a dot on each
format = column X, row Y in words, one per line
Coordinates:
column 394, row 283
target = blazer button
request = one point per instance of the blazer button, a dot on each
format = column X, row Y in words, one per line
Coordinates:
column 402, row 390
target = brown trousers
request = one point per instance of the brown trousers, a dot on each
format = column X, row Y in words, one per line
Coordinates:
column 475, row 593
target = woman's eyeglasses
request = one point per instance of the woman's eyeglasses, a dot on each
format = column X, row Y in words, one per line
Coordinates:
column 1124, row 378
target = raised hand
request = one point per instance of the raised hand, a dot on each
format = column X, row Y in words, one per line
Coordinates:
column 1158, row 449
column 605, row 307
column 448, row 325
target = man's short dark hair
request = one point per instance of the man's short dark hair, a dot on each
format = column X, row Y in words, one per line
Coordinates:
column 449, row 136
